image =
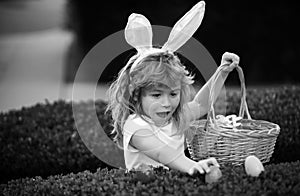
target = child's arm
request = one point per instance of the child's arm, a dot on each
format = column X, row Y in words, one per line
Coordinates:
column 199, row 106
column 152, row 146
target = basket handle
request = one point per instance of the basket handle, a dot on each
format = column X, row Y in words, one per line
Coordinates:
column 243, row 106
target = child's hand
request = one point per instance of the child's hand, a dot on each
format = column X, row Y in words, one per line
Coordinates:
column 230, row 60
column 203, row 166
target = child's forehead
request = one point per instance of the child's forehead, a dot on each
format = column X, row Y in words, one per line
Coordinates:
column 164, row 86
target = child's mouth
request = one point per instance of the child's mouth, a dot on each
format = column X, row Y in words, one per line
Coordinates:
column 162, row 114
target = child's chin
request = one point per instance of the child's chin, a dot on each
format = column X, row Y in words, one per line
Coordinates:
column 159, row 121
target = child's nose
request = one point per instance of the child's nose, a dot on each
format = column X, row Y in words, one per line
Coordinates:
column 166, row 101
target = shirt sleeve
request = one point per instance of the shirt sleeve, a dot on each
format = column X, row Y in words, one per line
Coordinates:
column 129, row 129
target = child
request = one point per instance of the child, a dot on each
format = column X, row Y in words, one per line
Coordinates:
column 150, row 100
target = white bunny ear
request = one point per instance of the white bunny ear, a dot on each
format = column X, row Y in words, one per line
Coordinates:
column 138, row 32
column 184, row 29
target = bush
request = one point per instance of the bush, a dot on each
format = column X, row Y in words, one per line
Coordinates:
column 42, row 140
column 277, row 179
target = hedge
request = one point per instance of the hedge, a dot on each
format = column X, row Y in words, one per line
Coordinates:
column 277, row 179
column 42, row 140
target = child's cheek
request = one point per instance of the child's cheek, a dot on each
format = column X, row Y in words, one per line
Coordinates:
column 176, row 102
column 152, row 110
column 153, row 107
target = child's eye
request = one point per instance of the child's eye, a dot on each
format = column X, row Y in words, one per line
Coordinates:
column 156, row 95
column 174, row 94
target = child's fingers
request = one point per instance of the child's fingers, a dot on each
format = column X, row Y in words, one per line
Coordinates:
column 199, row 168
column 192, row 171
column 230, row 58
column 233, row 57
column 196, row 168
column 205, row 167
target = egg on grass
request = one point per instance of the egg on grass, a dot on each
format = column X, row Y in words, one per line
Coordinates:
column 253, row 166
column 213, row 175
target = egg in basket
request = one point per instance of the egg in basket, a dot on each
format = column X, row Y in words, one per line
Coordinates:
column 232, row 138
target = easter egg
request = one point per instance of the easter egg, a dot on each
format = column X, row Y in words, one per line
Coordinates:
column 253, row 166
column 214, row 175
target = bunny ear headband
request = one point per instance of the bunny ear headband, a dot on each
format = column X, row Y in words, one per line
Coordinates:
column 138, row 32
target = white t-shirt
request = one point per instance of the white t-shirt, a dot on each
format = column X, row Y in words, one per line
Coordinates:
column 134, row 159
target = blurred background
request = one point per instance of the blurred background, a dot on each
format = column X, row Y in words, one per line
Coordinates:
column 42, row 42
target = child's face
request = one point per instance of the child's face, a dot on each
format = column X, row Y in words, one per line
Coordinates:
column 160, row 102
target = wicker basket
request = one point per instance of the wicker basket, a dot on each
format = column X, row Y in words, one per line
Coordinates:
column 232, row 144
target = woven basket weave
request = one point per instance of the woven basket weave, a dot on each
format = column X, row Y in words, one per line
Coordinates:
column 232, row 144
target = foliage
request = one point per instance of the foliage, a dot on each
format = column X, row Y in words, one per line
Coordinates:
column 41, row 149
column 277, row 179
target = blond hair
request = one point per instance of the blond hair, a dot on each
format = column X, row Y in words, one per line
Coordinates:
column 124, row 94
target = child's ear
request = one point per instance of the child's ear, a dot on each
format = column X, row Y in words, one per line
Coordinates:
column 138, row 32
column 184, row 29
